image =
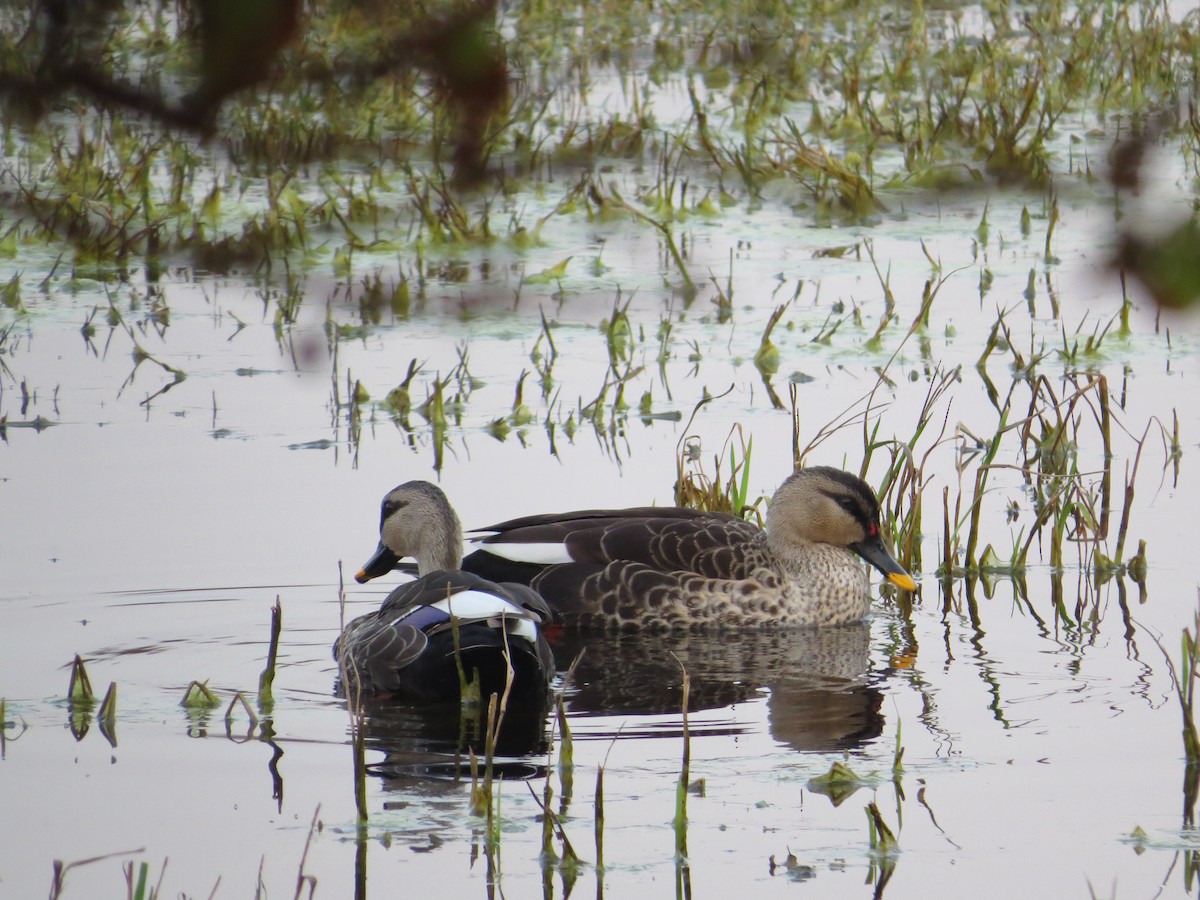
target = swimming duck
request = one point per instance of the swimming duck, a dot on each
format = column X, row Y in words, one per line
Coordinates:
column 668, row 567
column 406, row 647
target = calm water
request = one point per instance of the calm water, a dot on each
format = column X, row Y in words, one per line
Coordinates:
column 153, row 538
column 151, row 530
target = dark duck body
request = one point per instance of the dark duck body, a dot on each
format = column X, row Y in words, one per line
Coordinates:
column 667, row 568
column 406, row 648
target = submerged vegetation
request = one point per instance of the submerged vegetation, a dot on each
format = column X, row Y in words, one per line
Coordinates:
column 357, row 128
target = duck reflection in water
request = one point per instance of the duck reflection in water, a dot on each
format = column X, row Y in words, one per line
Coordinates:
column 820, row 697
column 432, row 742
column 820, row 694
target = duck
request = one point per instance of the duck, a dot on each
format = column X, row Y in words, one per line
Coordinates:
column 406, row 648
column 671, row 568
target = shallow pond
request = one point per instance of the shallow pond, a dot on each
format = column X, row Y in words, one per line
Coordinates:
column 149, row 522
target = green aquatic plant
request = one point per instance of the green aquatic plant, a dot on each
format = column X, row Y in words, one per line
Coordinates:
column 1186, row 690
column 140, row 888
column 792, row 866
column 398, row 402
column 568, row 863
column 239, row 701
column 766, row 358
column 551, row 275
column 266, row 680
column 8, row 725
column 696, row 489
column 566, row 750
column 61, row 870
column 1183, row 681
column 610, row 200
column 106, row 719
column 199, row 696
column 883, row 842
column 348, row 677
column 683, row 867
column 838, row 783
column 79, row 689
column 883, row 851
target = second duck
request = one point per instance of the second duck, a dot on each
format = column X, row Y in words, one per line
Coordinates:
column 407, row 647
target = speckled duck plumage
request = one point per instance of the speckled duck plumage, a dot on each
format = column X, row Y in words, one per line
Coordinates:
column 669, row 568
column 406, row 647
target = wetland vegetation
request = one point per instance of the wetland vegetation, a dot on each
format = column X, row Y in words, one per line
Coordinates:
column 254, row 271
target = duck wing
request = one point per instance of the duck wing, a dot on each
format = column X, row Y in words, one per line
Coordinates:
column 669, row 539
column 714, row 546
column 374, row 648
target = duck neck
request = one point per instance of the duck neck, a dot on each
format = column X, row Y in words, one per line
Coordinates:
column 789, row 555
column 440, row 550
column 800, row 557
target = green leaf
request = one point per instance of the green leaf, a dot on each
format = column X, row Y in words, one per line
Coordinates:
column 547, row 276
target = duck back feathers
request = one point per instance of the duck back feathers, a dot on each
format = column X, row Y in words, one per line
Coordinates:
column 667, row 538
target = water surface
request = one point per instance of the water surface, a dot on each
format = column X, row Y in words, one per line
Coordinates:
column 149, row 523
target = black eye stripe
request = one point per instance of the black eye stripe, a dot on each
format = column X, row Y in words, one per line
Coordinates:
column 389, row 509
column 852, row 505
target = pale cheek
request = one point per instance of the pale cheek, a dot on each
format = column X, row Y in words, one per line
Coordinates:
column 852, row 535
column 395, row 539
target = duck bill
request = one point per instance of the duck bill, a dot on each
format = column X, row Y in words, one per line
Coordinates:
column 874, row 551
column 382, row 562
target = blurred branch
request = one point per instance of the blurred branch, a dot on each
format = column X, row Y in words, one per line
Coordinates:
column 68, row 47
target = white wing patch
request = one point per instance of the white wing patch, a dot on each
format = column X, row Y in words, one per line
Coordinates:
column 480, row 605
column 546, row 554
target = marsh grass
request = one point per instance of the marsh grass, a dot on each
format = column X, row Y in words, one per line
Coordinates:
column 62, row 870
column 9, row 730
column 567, row 863
column 854, row 123
column 883, row 850
column 266, row 680
column 696, row 489
column 239, row 701
column 485, row 800
column 106, row 719
column 79, row 688
column 356, row 711
column 81, row 699
column 138, row 885
column 199, row 696
column 1184, row 680
column 609, row 200
column 683, row 866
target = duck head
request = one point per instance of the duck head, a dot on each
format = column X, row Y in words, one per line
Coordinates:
column 824, row 505
column 415, row 520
